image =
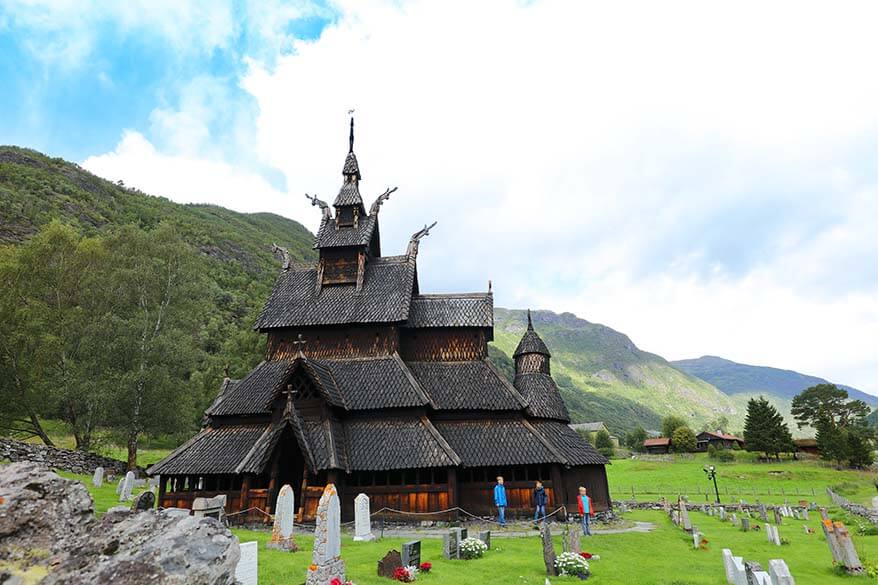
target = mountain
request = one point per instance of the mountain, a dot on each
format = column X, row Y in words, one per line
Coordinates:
column 604, row 376
column 734, row 378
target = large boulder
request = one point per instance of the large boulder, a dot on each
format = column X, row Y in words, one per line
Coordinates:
column 48, row 521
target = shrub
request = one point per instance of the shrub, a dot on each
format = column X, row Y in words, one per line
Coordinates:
column 472, row 548
column 711, row 452
column 572, row 564
column 725, row 455
column 684, row 440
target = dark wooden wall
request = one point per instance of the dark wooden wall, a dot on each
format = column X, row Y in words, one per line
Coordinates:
column 335, row 342
column 445, row 344
column 594, row 479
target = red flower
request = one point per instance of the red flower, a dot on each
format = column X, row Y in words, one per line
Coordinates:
column 335, row 581
column 585, row 555
column 426, row 566
column 400, row 574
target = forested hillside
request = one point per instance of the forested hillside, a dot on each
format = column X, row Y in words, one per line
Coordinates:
column 101, row 283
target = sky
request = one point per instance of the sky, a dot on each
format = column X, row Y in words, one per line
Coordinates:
column 699, row 176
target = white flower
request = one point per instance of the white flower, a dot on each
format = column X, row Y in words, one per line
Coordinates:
column 569, row 563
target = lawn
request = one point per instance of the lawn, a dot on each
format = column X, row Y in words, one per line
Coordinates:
column 662, row 557
column 744, row 479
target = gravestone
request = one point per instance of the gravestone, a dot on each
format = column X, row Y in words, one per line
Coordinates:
column 214, row 507
column 722, row 514
column 778, row 517
column 755, row 574
column 326, row 561
column 97, row 479
column 734, row 519
column 127, row 487
column 246, row 571
column 411, row 553
column 772, row 534
column 548, row 549
column 745, row 524
column 120, row 485
column 805, row 515
column 727, row 565
column 389, row 564
column 362, row 519
column 284, row 516
column 575, row 541
column 780, row 573
column 684, row 516
column 144, row 501
column 462, row 534
column 739, row 571
column 696, row 538
column 450, row 545
column 763, row 513
column 849, row 557
column 485, row 536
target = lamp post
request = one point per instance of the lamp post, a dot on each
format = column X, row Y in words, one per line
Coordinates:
column 711, row 475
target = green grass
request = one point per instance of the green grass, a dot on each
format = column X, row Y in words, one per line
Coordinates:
column 660, row 557
column 105, row 496
column 739, row 479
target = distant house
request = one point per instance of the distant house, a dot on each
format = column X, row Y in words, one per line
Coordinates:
column 719, row 440
column 657, row 445
column 808, row 446
column 590, row 429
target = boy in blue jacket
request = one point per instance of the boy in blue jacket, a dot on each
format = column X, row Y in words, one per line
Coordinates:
column 500, row 500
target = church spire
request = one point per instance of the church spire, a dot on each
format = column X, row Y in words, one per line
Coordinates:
column 530, row 323
column 348, row 203
column 351, row 148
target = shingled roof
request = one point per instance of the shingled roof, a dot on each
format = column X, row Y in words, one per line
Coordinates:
column 396, row 443
column 379, row 382
column 497, row 442
column 574, row 448
column 542, row 396
column 471, row 385
column 530, row 341
column 452, row 310
column 252, row 394
column 219, row 450
column 386, row 295
column 330, row 236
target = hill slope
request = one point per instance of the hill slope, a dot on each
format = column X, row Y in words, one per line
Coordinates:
column 603, row 375
column 734, row 378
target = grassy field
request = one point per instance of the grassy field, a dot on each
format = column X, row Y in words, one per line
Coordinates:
column 744, row 479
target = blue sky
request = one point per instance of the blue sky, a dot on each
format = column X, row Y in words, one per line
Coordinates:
column 698, row 177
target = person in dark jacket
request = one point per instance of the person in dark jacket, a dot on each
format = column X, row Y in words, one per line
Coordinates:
column 500, row 500
column 541, row 498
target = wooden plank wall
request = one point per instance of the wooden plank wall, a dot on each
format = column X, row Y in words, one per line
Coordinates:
column 449, row 344
column 325, row 342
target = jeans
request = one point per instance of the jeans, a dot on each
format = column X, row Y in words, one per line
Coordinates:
column 540, row 513
column 501, row 515
column 586, row 525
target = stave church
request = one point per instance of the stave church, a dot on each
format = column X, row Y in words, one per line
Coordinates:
column 372, row 385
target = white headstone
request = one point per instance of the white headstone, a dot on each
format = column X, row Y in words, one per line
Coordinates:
column 119, row 486
column 696, row 538
column 780, row 573
column 739, row 571
column 326, row 562
column 284, row 517
column 722, row 513
column 362, row 519
column 127, row 487
column 728, row 564
column 246, row 571
column 98, row 479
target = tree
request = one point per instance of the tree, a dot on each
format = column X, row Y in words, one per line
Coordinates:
column 827, row 403
column 670, row 424
column 860, row 437
column 765, row 430
column 719, row 423
column 634, row 439
column 683, row 440
column 604, row 444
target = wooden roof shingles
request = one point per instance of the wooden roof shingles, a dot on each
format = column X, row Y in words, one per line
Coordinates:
column 484, row 442
column 213, row 450
column 373, row 383
column 471, row 385
column 452, row 310
column 575, row 449
column 376, row 444
column 253, row 393
column 385, row 297
column 329, row 236
column 542, row 396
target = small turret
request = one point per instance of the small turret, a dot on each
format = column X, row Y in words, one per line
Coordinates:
column 531, row 356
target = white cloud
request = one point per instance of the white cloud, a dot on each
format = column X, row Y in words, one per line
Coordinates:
column 697, row 176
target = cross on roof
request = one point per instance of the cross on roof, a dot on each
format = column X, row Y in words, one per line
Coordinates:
column 300, row 344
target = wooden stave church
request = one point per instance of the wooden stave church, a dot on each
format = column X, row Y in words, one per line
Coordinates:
column 382, row 390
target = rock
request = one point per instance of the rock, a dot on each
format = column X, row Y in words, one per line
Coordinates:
column 52, row 516
column 65, row 459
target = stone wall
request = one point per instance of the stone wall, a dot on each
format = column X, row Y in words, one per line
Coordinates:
column 63, row 459
column 860, row 510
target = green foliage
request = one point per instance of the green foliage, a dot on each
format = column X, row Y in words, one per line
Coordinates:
column 719, row 423
column 683, row 440
column 827, row 404
column 634, row 439
column 670, row 424
column 765, row 430
column 604, row 444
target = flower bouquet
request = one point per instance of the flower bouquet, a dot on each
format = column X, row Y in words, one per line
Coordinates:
column 572, row 564
column 406, row 574
column 472, row 548
column 426, row 566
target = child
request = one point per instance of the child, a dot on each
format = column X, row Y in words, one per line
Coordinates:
column 586, row 510
column 540, row 499
column 500, row 500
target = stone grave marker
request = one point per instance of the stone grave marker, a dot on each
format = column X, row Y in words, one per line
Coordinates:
column 734, row 519
column 576, row 540
column 326, row 559
column 462, row 534
column 390, row 563
column 739, row 571
column 214, row 507
column 763, row 513
column 120, row 485
column 684, row 517
column 246, row 571
column 727, row 565
column 778, row 517
column 284, row 521
column 362, row 519
column 722, row 513
column 485, row 536
column 411, row 553
column 139, row 483
column 127, row 487
column 144, row 501
column 696, row 537
column 450, row 545
column 772, row 534
column 97, row 479
column 755, row 574
column 780, row 573
column 548, row 549
column 745, row 524
column 805, row 514
column 848, row 556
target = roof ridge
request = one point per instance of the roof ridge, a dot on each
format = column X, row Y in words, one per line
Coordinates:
column 414, row 381
column 437, row 296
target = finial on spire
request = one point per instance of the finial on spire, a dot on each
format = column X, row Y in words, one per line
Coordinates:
column 300, row 346
column 530, row 324
column 352, row 132
column 489, row 286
